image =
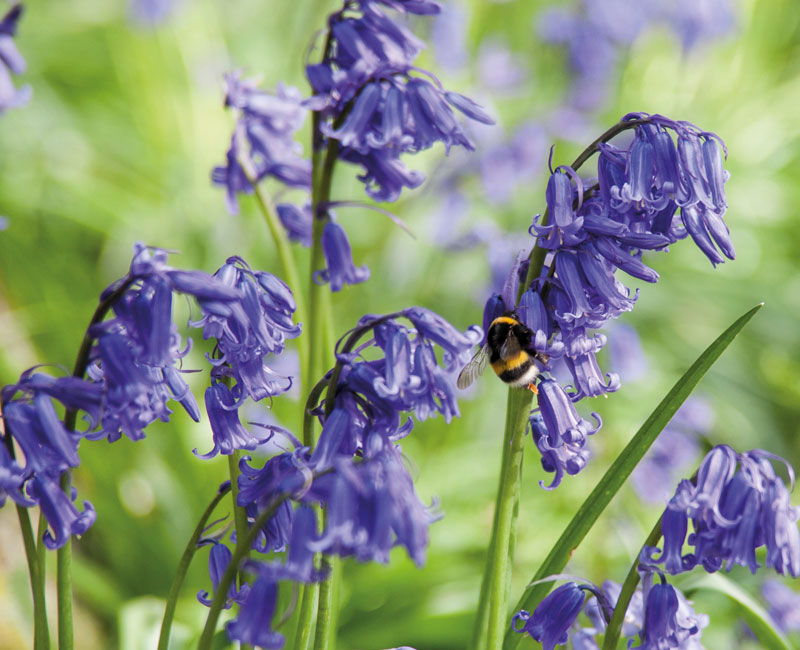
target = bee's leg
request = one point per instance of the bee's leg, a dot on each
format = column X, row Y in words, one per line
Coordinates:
column 533, row 389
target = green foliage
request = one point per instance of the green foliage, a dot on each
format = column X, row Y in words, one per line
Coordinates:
column 117, row 146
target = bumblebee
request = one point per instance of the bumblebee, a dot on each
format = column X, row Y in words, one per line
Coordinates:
column 507, row 351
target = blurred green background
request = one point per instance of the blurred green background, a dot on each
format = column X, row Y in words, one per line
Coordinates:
column 116, row 146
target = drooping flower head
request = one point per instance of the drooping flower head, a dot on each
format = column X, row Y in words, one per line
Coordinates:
column 737, row 504
column 248, row 330
column 667, row 183
column 553, row 617
column 263, row 139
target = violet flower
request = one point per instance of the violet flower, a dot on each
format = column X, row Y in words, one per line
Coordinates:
column 264, row 137
column 737, row 504
column 218, row 560
column 553, row 617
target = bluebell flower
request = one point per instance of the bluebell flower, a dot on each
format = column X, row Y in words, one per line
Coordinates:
column 553, row 617
column 218, row 560
column 299, row 562
column 559, row 432
column 72, row 392
column 669, row 621
column 371, row 507
column 784, row 604
column 297, row 221
column 288, row 473
column 248, row 330
column 135, row 359
column 737, row 504
column 253, row 625
column 228, row 432
column 376, row 103
column 49, row 448
column 598, row 614
column 264, row 137
column 62, row 516
column 339, row 267
column 11, row 61
column 409, row 377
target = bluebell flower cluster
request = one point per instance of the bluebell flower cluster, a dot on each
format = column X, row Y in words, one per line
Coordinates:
column 659, row 615
column 11, row 62
column 665, row 185
column 134, row 371
column 263, row 139
column 356, row 472
column 376, row 103
column 33, row 425
column 737, row 504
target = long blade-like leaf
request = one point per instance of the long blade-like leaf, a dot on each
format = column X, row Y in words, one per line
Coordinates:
column 619, row 471
column 756, row 616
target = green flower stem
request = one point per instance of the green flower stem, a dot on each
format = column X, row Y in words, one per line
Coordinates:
column 183, row 567
column 64, row 585
column 239, row 513
column 41, row 632
column 327, row 610
column 283, row 246
column 319, row 295
column 497, row 578
column 591, row 509
column 628, row 587
column 308, row 607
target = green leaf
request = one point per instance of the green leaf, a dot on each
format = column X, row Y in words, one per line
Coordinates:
column 619, row 471
column 756, row 616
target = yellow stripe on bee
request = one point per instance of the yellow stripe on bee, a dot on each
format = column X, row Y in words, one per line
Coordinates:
column 501, row 365
column 505, row 319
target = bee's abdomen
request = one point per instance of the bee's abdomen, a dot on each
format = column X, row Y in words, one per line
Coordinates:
column 519, row 370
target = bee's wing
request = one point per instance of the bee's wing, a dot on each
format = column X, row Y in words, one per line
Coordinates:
column 474, row 368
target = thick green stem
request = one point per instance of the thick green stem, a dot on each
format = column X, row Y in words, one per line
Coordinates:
column 239, row 513
column 628, row 588
column 283, row 246
column 183, row 567
column 492, row 616
column 308, row 608
column 327, row 609
column 64, row 585
column 41, row 632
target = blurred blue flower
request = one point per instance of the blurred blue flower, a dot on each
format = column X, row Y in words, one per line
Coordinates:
column 339, row 267
column 152, row 13
column 11, row 61
column 553, row 617
column 733, row 512
column 297, row 221
column 263, row 139
column 673, row 451
column 784, row 604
